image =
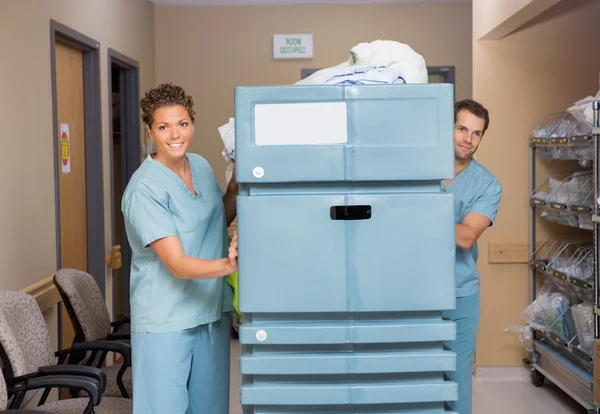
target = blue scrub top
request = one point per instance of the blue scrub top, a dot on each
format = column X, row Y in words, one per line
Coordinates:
column 157, row 204
column 475, row 190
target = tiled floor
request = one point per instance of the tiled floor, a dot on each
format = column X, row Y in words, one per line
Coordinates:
column 490, row 397
column 521, row 397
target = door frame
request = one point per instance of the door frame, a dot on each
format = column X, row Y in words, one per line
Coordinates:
column 131, row 145
column 93, row 147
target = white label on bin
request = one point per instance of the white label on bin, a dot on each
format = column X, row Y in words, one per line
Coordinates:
column 319, row 123
column 261, row 336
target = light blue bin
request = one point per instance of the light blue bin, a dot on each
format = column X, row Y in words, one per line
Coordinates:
column 347, row 248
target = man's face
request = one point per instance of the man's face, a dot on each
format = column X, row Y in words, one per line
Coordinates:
column 468, row 130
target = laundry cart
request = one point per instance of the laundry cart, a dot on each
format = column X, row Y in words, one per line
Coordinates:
column 346, row 248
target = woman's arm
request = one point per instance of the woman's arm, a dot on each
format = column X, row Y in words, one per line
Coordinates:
column 170, row 251
column 229, row 199
column 148, row 217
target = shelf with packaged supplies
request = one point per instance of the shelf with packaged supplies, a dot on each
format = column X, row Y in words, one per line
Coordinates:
column 561, row 136
column 586, row 288
column 569, row 263
column 574, row 351
column 575, row 141
column 567, row 217
column 567, row 201
column 562, row 319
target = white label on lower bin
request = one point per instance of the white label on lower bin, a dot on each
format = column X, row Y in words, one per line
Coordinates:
column 320, row 123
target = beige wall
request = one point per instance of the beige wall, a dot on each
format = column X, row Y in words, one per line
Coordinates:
column 491, row 13
column 501, row 17
column 27, row 214
column 543, row 67
column 211, row 50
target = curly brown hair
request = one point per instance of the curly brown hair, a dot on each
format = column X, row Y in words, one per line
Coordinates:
column 163, row 95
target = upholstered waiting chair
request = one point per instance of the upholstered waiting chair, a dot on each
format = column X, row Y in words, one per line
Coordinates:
column 28, row 361
column 4, row 399
column 87, row 311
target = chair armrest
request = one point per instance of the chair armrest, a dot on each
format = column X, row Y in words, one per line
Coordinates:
column 75, row 371
column 117, row 324
column 103, row 345
column 118, row 336
column 81, row 371
column 89, row 385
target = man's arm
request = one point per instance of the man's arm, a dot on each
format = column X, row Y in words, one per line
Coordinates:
column 480, row 216
column 472, row 226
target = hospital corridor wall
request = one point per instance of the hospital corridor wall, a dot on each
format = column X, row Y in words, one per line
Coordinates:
column 540, row 68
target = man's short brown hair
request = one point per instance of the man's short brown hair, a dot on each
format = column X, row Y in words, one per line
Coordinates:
column 475, row 108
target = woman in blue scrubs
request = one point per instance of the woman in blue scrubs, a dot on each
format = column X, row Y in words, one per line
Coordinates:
column 176, row 218
column 477, row 198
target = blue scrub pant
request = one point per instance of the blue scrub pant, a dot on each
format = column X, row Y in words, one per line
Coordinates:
column 184, row 372
column 466, row 317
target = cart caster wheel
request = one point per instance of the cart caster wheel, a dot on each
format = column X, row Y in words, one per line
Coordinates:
column 537, row 379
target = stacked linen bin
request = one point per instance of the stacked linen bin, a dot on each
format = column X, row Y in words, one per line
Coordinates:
column 347, row 248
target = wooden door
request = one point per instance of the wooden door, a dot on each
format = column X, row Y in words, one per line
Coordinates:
column 72, row 174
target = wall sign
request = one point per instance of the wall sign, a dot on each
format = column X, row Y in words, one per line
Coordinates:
column 65, row 149
column 292, row 46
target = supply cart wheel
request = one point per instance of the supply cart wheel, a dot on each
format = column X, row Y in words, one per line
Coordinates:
column 536, row 378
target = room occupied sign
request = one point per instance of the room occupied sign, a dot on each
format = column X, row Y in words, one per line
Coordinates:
column 292, row 46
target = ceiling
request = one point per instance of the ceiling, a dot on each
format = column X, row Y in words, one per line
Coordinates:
column 288, row 2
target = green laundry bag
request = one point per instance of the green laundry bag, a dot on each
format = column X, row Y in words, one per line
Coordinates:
column 232, row 280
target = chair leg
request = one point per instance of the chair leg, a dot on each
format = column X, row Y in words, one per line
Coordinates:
column 120, row 382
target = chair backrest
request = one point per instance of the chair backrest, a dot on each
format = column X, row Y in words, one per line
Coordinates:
column 3, row 394
column 25, row 343
column 84, row 303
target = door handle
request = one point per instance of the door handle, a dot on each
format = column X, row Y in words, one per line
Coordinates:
column 114, row 259
column 359, row 212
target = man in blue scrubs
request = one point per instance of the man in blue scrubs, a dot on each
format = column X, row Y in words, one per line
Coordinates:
column 477, row 198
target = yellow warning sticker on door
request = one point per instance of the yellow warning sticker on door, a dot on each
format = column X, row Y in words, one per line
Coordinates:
column 65, row 149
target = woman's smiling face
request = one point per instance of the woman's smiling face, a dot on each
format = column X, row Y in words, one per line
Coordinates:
column 172, row 131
